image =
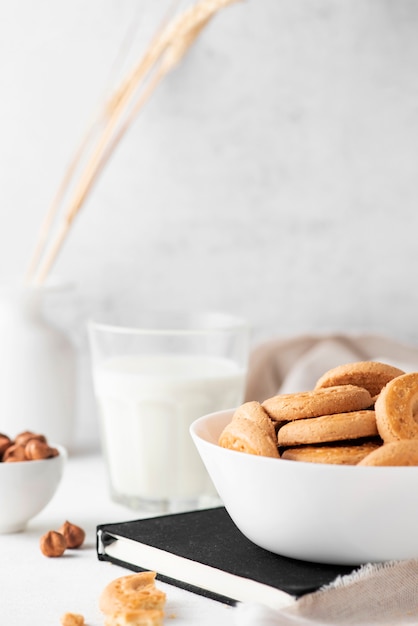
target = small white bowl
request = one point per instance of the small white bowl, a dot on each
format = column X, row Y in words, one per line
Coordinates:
column 26, row 487
column 336, row 514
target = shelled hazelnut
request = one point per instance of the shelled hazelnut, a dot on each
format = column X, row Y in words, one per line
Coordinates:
column 36, row 450
column 14, row 453
column 27, row 435
column 53, row 544
column 5, row 442
column 74, row 535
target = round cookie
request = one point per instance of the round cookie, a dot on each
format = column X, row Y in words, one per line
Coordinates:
column 371, row 375
column 132, row 593
column 323, row 401
column 244, row 435
column 256, row 413
column 396, row 409
column 327, row 428
column 403, row 452
column 335, row 455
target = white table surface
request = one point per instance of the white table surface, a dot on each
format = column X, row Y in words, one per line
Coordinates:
column 36, row 590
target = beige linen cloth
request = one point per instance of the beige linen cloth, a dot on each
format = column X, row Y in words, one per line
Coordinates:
column 295, row 364
column 385, row 593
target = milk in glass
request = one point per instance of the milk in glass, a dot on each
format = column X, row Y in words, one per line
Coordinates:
column 146, row 405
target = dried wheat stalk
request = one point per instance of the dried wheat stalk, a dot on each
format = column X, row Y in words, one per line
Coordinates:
column 167, row 48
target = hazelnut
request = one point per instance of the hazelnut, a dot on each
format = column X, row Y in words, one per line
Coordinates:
column 72, row 619
column 5, row 442
column 74, row 535
column 53, row 544
column 14, row 453
column 36, row 449
column 22, row 438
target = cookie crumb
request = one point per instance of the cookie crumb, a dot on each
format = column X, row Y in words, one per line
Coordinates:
column 72, row 619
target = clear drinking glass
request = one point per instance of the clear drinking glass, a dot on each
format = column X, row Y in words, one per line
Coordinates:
column 152, row 379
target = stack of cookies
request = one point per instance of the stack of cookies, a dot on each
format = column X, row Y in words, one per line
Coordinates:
column 358, row 413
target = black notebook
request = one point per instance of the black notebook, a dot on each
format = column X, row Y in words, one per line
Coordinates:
column 204, row 552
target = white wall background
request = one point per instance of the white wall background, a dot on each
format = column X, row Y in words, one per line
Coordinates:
column 273, row 174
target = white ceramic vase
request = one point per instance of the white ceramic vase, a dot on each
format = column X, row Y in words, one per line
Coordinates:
column 37, row 369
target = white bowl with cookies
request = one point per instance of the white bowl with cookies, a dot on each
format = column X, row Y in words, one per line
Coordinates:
column 329, row 475
column 30, row 472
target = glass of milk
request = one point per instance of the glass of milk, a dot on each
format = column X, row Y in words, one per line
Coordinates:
column 152, row 379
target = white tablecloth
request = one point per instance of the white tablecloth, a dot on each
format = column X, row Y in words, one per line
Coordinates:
column 36, row 590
